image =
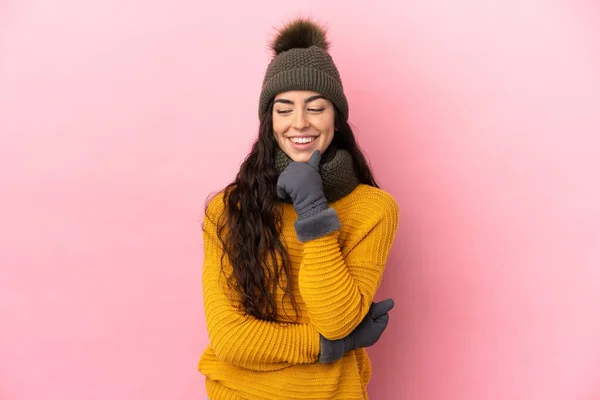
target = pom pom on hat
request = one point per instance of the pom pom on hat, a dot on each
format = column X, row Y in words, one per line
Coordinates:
column 300, row 33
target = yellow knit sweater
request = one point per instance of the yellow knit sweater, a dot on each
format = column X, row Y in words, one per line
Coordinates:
column 334, row 280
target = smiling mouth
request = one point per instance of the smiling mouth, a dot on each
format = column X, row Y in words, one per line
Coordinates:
column 303, row 140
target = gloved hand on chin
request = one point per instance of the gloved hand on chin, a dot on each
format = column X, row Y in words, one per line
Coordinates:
column 303, row 183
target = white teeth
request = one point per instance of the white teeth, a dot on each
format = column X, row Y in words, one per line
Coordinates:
column 302, row 140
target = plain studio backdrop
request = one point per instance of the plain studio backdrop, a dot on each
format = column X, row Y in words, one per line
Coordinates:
column 119, row 118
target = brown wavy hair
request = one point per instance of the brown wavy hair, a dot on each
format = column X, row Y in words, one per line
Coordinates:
column 254, row 221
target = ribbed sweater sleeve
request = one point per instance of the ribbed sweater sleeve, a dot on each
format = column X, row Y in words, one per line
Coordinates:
column 338, row 285
column 240, row 339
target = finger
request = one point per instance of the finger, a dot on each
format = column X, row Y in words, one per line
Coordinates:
column 315, row 159
column 378, row 309
column 383, row 320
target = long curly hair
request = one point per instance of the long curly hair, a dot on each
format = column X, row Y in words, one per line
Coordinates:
column 254, row 222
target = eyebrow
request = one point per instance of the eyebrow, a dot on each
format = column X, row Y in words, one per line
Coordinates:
column 311, row 98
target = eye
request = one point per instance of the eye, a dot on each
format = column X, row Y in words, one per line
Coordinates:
column 316, row 110
column 284, row 112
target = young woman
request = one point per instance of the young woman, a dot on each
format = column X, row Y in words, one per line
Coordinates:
column 296, row 245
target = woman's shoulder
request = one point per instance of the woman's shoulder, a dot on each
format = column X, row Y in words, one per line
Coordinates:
column 367, row 193
column 372, row 200
column 215, row 206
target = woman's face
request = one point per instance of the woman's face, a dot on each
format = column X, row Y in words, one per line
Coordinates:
column 303, row 122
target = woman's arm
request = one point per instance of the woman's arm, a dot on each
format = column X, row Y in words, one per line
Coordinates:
column 243, row 340
column 338, row 289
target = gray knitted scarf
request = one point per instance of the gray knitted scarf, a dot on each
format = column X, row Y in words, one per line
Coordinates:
column 337, row 172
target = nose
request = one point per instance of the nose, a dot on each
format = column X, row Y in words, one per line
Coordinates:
column 300, row 121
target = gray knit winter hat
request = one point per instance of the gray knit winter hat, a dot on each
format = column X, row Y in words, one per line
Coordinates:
column 301, row 62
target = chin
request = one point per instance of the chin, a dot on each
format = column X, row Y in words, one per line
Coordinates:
column 302, row 156
column 298, row 157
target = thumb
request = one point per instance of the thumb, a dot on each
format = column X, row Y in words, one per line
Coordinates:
column 383, row 321
column 315, row 159
column 381, row 308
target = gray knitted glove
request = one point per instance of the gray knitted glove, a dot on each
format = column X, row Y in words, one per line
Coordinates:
column 366, row 334
column 303, row 183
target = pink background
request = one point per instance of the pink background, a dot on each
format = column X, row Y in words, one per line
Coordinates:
column 118, row 118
